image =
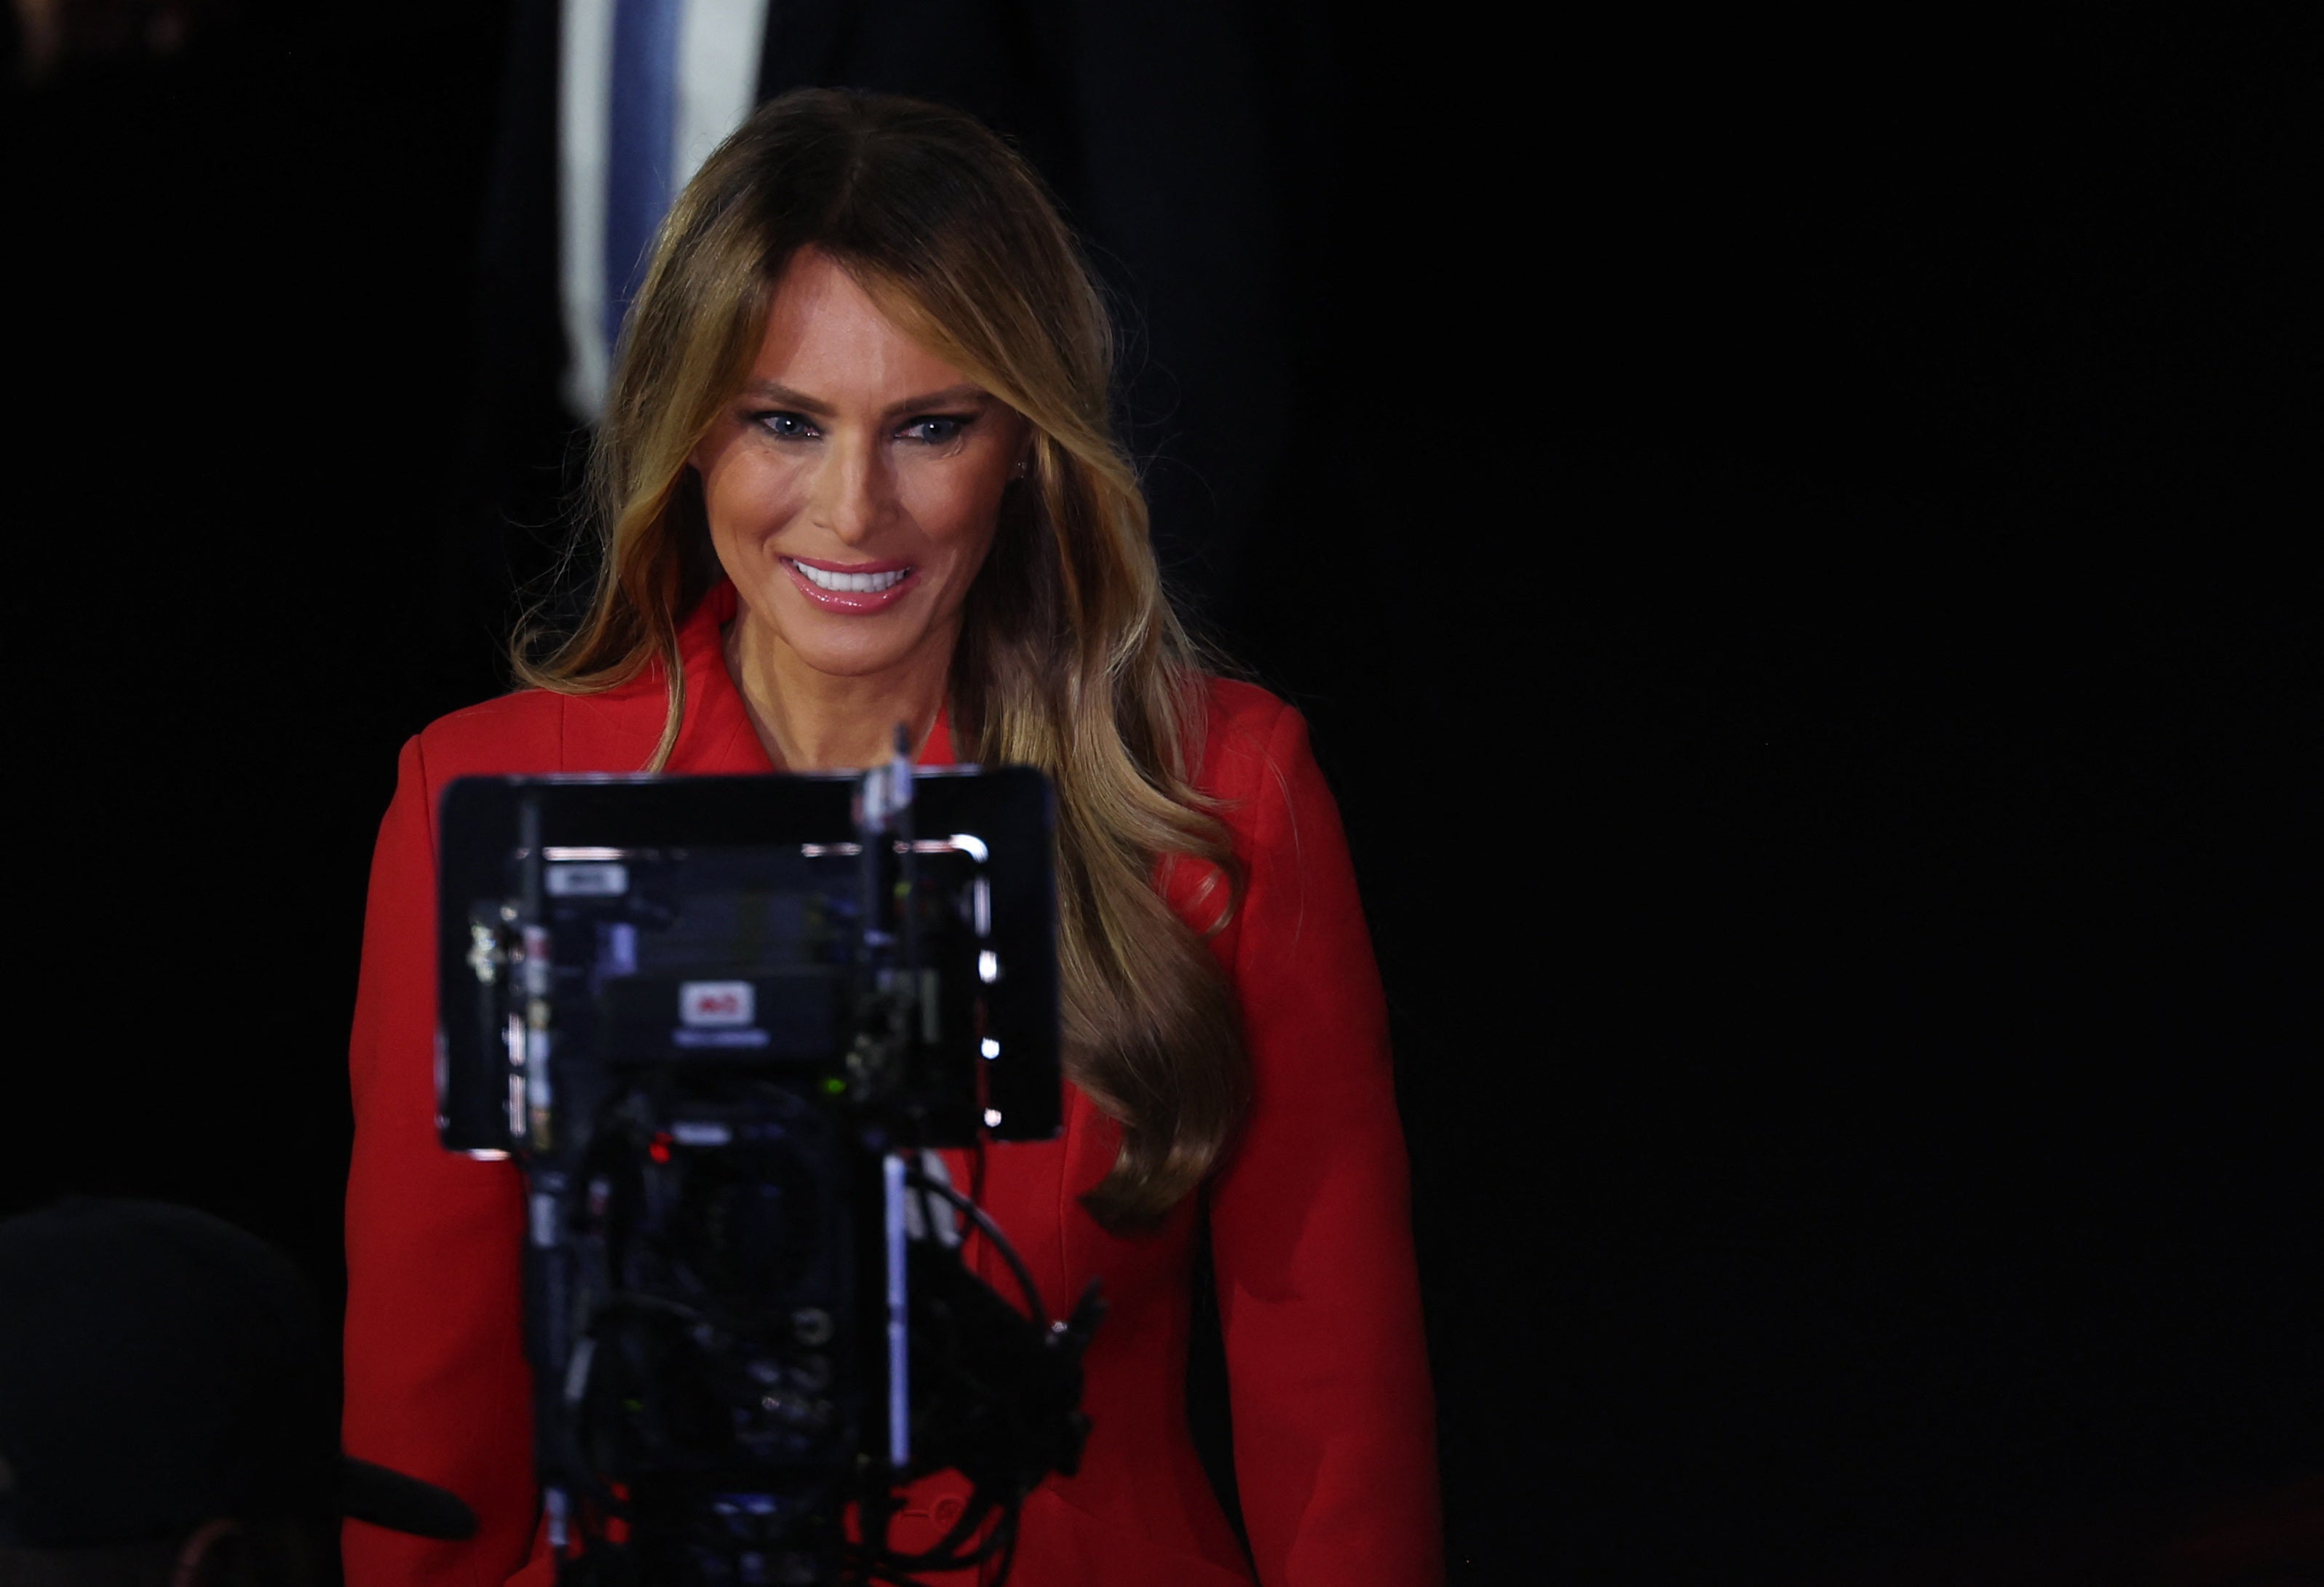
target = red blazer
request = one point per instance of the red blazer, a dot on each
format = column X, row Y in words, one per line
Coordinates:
column 1333, row 1419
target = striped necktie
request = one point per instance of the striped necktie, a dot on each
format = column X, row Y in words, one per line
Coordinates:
column 643, row 115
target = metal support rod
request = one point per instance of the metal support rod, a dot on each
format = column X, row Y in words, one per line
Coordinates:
column 899, row 1386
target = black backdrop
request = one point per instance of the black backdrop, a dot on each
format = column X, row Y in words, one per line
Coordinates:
column 1789, row 548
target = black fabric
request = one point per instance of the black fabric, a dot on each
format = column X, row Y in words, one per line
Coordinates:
column 399, row 1503
column 521, row 450
column 159, row 1367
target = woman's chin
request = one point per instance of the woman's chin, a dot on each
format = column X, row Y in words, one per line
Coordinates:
column 861, row 654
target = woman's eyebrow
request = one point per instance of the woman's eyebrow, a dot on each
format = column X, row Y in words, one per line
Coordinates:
column 775, row 391
column 959, row 396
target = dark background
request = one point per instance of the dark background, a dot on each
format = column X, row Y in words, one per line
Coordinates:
column 1789, row 544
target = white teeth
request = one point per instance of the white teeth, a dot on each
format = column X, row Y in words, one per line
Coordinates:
column 862, row 583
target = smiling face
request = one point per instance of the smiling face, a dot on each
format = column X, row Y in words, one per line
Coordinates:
column 853, row 486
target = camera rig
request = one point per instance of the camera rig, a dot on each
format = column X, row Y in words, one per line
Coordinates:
column 720, row 1022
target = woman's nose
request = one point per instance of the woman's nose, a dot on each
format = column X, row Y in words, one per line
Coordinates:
column 852, row 491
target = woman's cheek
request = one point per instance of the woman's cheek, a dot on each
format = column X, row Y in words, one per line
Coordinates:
column 764, row 496
column 956, row 508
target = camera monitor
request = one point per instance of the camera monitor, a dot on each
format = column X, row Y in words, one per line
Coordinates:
column 714, row 921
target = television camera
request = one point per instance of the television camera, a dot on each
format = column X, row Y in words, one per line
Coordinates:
column 720, row 1023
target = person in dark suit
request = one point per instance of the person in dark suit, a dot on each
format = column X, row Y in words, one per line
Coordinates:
column 1181, row 140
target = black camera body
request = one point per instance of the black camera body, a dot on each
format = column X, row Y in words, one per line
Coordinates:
column 718, row 1021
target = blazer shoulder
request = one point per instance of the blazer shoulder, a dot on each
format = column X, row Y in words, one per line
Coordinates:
column 536, row 732
column 513, row 735
column 1232, row 700
column 1243, row 736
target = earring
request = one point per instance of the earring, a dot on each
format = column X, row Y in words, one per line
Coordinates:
column 1019, row 472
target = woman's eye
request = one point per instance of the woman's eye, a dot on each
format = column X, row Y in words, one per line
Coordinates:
column 933, row 432
column 788, row 426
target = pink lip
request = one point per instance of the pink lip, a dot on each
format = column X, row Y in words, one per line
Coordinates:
column 850, row 602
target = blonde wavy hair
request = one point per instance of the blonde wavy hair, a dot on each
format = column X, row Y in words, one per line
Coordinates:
column 1070, row 657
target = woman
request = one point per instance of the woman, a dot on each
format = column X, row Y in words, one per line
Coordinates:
column 857, row 470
